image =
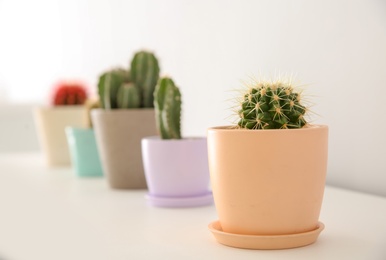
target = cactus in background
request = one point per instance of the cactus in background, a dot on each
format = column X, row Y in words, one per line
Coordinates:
column 69, row 94
column 128, row 96
column 108, row 86
column 272, row 105
column 167, row 102
column 91, row 104
column 145, row 73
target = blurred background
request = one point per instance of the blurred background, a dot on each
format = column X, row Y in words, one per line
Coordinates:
column 336, row 49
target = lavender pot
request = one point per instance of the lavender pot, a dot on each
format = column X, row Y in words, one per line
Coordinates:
column 177, row 172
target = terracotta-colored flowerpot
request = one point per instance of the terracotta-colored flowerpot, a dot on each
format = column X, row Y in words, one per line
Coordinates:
column 177, row 172
column 118, row 134
column 83, row 151
column 268, row 182
column 50, row 123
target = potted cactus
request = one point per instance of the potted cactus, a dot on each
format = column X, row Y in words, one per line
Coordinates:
column 176, row 168
column 268, row 172
column 126, row 115
column 66, row 110
column 83, row 149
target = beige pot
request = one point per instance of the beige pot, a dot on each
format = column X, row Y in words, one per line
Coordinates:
column 118, row 134
column 268, row 182
column 50, row 123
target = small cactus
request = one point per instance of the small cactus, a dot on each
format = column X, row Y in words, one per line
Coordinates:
column 145, row 73
column 272, row 105
column 69, row 94
column 128, row 96
column 167, row 102
column 108, row 86
column 91, row 104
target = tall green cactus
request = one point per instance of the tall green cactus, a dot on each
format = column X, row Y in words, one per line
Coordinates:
column 145, row 73
column 128, row 96
column 272, row 105
column 108, row 86
column 167, row 102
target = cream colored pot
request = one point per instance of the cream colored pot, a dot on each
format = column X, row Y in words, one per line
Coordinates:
column 50, row 123
column 268, row 182
column 118, row 134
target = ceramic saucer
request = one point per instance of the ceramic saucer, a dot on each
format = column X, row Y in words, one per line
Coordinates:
column 180, row 202
column 264, row 241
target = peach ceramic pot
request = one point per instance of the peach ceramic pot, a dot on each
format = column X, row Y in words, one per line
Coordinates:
column 50, row 123
column 268, row 182
column 177, row 172
column 118, row 135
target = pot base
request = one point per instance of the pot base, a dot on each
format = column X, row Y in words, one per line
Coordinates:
column 264, row 241
column 182, row 202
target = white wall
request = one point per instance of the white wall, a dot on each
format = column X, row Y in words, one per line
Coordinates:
column 338, row 48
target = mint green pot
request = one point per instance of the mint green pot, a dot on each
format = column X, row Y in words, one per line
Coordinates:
column 83, row 152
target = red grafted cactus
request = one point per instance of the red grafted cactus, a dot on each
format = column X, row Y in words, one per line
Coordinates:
column 69, row 94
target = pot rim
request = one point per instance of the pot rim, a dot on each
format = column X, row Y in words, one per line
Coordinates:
column 120, row 110
column 78, row 129
column 59, row 107
column 234, row 128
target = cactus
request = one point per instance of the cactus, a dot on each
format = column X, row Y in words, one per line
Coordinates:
column 91, row 104
column 145, row 73
column 108, row 86
column 167, row 102
column 128, row 96
column 272, row 105
column 69, row 94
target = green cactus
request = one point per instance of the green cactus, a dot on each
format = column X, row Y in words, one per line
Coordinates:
column 272, row 105
column 108, row 86
column 145, row 73
column 128, row 96
column 167, row 102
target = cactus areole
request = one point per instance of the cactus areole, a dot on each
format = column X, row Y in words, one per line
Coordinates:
column 167, row 102
column 271, row 105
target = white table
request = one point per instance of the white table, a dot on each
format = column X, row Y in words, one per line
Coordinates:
column 49, row 214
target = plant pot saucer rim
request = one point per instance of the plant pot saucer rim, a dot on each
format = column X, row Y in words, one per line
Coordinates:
column 156, row 138
column 265, row 241
column 180, row 202
column 228, row 128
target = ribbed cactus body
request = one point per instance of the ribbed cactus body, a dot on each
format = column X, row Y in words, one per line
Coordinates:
column 272, row 106
column 145, row 73
column 128, row 96
column 108, row 86
column 69, row 94
column 167, row 102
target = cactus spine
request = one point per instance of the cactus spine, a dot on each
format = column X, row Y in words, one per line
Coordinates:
column 272, row 105
column 167, row 102
column 145, row 73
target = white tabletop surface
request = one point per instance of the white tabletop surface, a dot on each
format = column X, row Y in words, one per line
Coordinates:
column 49, row 214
